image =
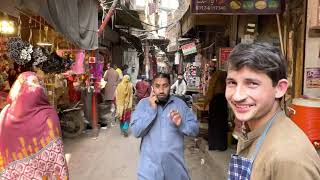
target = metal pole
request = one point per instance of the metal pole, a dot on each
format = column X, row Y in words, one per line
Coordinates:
column 280, row 33
column 108, row 16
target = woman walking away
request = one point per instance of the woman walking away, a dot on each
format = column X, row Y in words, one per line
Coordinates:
column 218, row 112
column 124, row 98
column 30, row 137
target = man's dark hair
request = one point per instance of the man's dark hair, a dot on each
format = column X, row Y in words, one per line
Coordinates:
column 261, row 57
column 143, row 77
column 162, row 75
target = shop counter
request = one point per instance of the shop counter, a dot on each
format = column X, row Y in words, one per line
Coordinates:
column 192, row 90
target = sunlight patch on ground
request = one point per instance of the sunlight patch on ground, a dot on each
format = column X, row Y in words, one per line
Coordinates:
column 68, row 157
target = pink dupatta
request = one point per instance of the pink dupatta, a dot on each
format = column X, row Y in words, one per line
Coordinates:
column 29, row 127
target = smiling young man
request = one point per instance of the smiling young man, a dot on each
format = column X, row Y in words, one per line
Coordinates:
column 162, row 121
column 272, row 147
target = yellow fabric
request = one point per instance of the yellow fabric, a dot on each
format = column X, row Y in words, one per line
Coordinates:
column 124, row 95
column 119, row 71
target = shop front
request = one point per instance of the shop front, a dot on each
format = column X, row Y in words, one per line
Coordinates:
column 216, row 27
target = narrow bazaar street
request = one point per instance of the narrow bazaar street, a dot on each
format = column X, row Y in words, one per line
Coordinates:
column 112, row 156
column 79, row 79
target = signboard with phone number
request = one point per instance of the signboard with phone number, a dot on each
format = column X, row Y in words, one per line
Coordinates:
column 236, row 6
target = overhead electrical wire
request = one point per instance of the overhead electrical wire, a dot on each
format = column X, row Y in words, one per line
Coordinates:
column 29, row 16
column 126, row 11
column 103, row 4
column 157, row 28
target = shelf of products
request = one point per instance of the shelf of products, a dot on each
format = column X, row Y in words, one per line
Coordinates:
column 192, row 76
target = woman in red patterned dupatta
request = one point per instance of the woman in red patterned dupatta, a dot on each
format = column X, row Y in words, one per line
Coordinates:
column 30, row 138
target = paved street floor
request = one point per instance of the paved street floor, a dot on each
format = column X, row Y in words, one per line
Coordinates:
column 114, row 157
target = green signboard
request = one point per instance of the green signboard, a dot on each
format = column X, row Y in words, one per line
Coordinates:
column 189, row 48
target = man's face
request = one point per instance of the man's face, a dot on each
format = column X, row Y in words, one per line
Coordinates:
column 250, row 94
column 161, row 88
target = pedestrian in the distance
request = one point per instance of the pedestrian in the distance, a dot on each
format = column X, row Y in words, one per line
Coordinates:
column 272, row 147
column 162, row 121
column 143, row 88
column 180, row 86
column 112, row 80
column 30, row 138
column 124, row 99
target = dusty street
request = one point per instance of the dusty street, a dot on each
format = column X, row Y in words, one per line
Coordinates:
column 114, row 157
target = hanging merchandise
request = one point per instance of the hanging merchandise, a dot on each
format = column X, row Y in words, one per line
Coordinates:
column 56, row 64
column 25, row 54
column 192, row 75
column 38, row 56
column 78, row 55
column 78, row 65
column 19, row 51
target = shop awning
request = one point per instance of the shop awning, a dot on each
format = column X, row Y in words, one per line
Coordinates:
column 136, row 42
column 128, row 18
column 77, row 20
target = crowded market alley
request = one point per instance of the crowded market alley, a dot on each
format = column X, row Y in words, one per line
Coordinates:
column 159, row 89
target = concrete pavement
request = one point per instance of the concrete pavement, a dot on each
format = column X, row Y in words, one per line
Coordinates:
column 112, row 156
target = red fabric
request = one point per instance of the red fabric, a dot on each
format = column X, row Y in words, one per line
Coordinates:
column 143, row 89
column 74, row 96
column 24, row 125
column 126, row 116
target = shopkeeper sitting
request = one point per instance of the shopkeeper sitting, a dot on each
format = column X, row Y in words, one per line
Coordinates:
column 179, row 88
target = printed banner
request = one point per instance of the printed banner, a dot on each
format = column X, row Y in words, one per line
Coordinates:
column 189, row 48
column 313, row 77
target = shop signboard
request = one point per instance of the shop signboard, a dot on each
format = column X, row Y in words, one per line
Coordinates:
column 236, row 6
column 313, row 77
column 189, row 48
column 223, row 57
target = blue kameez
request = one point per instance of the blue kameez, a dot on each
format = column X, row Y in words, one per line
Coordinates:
column 162, row 145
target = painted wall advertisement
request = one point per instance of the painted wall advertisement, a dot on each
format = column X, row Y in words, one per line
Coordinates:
column 237, row 6
column 313, row 77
